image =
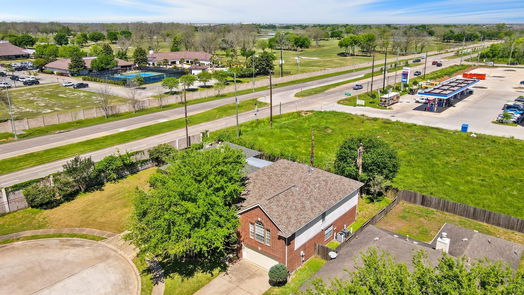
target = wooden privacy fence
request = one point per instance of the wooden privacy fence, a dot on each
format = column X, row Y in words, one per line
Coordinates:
column 323, row 251
column 478, row 214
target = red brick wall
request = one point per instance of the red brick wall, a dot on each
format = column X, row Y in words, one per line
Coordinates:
column 294, row 258
column 277, row 248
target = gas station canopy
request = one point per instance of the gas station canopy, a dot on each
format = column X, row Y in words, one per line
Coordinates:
column 449, row 88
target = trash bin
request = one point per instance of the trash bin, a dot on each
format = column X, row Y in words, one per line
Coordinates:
column 464, row 128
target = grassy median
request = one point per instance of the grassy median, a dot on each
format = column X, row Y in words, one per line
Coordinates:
column 65, row 151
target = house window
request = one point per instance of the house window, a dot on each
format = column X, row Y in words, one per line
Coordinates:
column 328, row 232
column 259, row 232
column 252, row 230
column 268, row 237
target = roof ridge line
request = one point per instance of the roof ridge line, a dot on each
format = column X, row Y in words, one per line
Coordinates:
column 278, row 194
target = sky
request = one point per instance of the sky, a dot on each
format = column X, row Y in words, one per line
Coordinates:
column 266, row 11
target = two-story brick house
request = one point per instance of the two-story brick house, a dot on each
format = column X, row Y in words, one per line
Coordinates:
column 288, row 207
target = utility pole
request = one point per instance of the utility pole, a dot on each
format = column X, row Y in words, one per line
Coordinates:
column 372, row 71
column 312, row 152
column 396, row 66
column 13, row 125
column 236, row 102
column 360, row 153
column 188, row 140
column 298, row 63
column 270, row 101
column 253, row 57
column 463, row 45
column 281, row 63
column 385, row 68
column 425, row 64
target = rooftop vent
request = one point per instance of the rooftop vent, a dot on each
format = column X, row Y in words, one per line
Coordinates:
column 443, row 243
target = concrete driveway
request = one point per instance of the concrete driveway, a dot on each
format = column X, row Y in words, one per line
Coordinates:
column 65, row 266
column 242, row 278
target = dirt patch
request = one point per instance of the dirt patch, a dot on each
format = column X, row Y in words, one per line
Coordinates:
column 305, row 114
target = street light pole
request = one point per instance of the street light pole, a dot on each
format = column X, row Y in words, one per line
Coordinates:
column 13, row 125
column 396, row 66
column 425, row 64
column 253, row 57
column 188, row 141
column 385, row 68
column 270, row 101
column 236, row 102
column 281, row 63
column 372, row 70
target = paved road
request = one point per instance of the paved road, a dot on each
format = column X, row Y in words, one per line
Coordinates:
column 12, row 149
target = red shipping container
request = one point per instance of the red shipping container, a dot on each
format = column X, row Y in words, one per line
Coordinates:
column 474, row 76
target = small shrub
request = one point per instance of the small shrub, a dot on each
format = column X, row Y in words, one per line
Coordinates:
column 41, row 195
column 47, row 72
column 278, row 274
column 114, row 82
column 161, row 153
column 114, row 167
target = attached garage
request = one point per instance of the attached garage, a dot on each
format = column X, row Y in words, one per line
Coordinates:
column 257, row 258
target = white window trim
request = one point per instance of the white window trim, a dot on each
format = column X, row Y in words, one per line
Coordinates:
column 268, row 237
column 251, row 230
column 260, row 226
column 330, row 229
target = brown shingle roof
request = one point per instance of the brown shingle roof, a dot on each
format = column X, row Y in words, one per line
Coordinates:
column 293, row 194
column 63, row 63
column 177, row 55
column 475, row 245
column 8, row 49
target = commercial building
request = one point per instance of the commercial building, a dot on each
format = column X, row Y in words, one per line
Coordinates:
column 10, row 51
column 444, row 95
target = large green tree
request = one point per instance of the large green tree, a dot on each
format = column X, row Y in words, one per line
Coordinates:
column 140, row 56
column 77, row 64
column 378, row 273
column 263, row 63
column 96, row 36
column 170, row 83
column 61, row 39
column 103, row 62
column 378, row 159
column 189, row 211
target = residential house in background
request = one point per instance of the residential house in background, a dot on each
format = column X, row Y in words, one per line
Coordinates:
column 61, row 65
column 180, row 58
column 288, row 207
column 10, row 51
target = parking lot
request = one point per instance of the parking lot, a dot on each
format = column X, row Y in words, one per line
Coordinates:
column 478, row 110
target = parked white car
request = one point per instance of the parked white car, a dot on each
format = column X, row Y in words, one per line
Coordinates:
column 421, row 99
column 68, row 84
column 5, row 85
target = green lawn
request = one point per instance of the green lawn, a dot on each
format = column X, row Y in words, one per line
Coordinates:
column 443, row 163
column 300, row 276
column 178, row 285
column 327, row 56
column 53, row 154
column 35, row 101
column 108, row 209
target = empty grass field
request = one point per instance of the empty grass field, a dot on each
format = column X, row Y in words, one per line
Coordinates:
column 108, row 209
column 438, row 162
column 36, row 101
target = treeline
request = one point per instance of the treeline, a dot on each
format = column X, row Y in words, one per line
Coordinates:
column 512, row 48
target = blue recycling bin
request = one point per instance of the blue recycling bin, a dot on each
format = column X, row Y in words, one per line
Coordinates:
column 464, row 128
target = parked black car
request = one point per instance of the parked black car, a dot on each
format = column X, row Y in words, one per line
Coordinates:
column 80, row 85
column 31, row 82
column 439, row 64
column 14, row 77
column 358, row 87
column 513, row 63
column 519, row 99
column 417, row 60
column 2, row 74
column 417, row 73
